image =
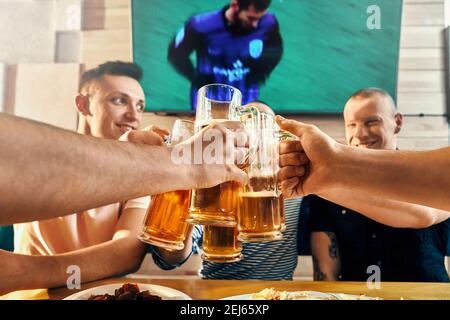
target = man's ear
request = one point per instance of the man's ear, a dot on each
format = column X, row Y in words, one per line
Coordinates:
column 234, row 5
column 82, row 103
column 398, row 122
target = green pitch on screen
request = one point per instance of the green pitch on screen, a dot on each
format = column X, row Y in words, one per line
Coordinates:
column 329, row 52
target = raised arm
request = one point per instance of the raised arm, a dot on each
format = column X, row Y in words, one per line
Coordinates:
column 389, row 212
column 122, row 254
column 47, row 172
column 415, row 177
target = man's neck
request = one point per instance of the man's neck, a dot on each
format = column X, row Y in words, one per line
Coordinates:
column 83, row 127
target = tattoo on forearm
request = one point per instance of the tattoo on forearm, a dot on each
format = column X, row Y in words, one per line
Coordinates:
column 318, row 274
column 333, row 247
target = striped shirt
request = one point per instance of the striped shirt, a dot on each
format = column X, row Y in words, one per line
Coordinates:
column 275, row 260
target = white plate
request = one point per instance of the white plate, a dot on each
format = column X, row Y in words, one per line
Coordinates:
column 165, row 293
column 239, row 297
column 249, row 296
column 344, row 296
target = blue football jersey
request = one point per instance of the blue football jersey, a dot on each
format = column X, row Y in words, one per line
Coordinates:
column 226, row 53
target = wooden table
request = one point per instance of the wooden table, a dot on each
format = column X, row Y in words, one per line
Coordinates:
column 216, row 289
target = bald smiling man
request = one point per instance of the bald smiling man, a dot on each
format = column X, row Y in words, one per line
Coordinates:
column 356, row 229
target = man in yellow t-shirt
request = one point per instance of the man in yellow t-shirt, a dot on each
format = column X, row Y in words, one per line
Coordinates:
column 101, row 241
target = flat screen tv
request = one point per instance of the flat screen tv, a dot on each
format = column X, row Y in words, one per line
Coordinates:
column 325, row 51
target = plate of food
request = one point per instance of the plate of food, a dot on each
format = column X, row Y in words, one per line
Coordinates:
column 345, row 296
column 272, row 294
column 129, row 291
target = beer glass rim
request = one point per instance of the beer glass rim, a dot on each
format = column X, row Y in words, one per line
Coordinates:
column 253, row 104
column 219, row 85
column 235, row 91
column 177, row 125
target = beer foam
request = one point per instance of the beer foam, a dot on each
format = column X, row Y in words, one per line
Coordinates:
column 259, row 194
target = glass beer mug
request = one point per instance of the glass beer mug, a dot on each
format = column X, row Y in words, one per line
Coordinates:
column 215, row 206
column 283, row 136
column 165, row 223
column 220, row 244
column 258, row 211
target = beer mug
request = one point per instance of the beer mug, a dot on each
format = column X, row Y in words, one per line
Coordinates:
column 165, row 223
column 216, row 205
column 258, row 212
column 220, row 244
column 284, row 136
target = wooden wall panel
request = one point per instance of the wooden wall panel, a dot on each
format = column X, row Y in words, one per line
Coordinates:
column 67, row 46
column 420, row 102
column 102, row 45
column 421, row 81
column 424, row 127
column 422, row 59
column 422, row 37
column 107, row 3
column 2, row 86
column 27, row 32
column 424, row 1
column 68, row 15
column 423, row 14
column 106, row 18
column 46, row 92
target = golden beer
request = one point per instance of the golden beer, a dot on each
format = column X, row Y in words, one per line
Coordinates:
column 258, row 202
column 214, row 206
column 219, row 109
column 165, row 223
column 258, row 217
column 220, row 244
column 282, row 213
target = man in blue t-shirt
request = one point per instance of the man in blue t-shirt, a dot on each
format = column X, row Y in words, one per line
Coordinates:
column 359, row 235
column 239, row 45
